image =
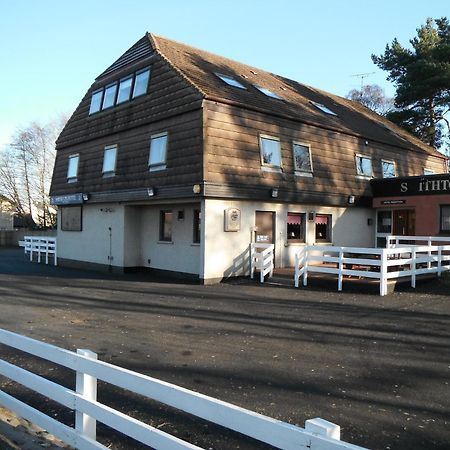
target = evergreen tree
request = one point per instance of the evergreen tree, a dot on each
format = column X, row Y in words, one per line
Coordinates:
column 422, row 79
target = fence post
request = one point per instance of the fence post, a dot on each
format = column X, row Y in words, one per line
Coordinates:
column 252, row 261
column 383, row 273
column 55, row 255
column 86, row 385
column 439, row 267
column 341, row 267
column 429, row 253
column 305, row 267
column 413, row 267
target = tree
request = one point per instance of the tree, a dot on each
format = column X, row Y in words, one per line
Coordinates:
column 373, row 97
column 421, row 75
column 26, row 169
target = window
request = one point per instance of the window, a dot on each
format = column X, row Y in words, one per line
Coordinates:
column 165, row 226
column 72, row 168
column 197, row 226
column 267, row 92
column 230, row 81
column 429, row 172
column 71, row 218
column 295, row 227
column 124, row 89
column 110, row 96
column 384, row 222
column 445, row 219
column 270, row 151
column 141, row 83
column 323, row 227
column 364, row 165
column 388, row 168
column 109, row 160
column 302, row 157
column 324, row 109
column 96, row 101
column 157, row 155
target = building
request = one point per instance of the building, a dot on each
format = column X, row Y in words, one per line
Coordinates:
column 6, row 213
column 177, row 159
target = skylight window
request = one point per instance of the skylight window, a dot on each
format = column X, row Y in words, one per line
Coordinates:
column 324, row 109
column 230, row 81
column 267, row 92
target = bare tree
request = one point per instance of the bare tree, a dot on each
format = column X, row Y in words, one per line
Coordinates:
column 373, row 97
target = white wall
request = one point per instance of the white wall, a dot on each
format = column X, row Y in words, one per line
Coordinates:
column 227, row 253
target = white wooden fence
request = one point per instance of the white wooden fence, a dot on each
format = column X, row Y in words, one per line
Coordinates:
column 42, row 246
column 261, row 258
column 318, row 434
column 381, row 264
column 397, row 241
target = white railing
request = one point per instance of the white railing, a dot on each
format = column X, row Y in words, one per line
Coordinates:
column 261, row 258
column 318, row 434
column 41, row 246
column 396, row 241
column 381, row 264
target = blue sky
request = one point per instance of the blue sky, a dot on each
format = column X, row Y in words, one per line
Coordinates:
column 51, row 50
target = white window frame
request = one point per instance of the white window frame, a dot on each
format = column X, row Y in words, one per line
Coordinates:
column 297, row 171
column 121, row 82
column 428, row 171
column 114, row 85
column 72, row 178
column 363, row 175
column 161, row 165
column 268, row 165
column 388, row 161
column 97, row 91
column 135, row 84
column 109, row 172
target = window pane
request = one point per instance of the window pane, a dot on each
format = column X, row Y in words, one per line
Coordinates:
column 388, row 169
column 323, row 227
column 109, row 160
column 141, row 83
column 445, row 218
column 324, row 109
column 124, row 90
column 72, row 168
column 165, row 232
column 230, row 81
column 295, row 227
column 384, row 222
column 110, row 96
column 271, row 153
column 157, row 157
column 364, row 166
column 96, row 101
column 267, row 92
column 302, row 159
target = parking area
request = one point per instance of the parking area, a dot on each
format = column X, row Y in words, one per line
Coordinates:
column 377, row 366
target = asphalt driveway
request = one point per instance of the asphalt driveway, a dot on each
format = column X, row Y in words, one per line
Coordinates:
column 377, row 366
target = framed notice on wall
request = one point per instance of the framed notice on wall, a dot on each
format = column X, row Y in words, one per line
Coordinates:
column 232, row 219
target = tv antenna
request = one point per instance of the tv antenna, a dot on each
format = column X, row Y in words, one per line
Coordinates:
column 362, row 76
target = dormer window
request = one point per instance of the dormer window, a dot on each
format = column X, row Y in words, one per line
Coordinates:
column 267, row 92
column 230, row 81
column 96, row 101
column 324, row 109
column 110, row 96
column 141, row 83
column 72, row 168
column 124, row 89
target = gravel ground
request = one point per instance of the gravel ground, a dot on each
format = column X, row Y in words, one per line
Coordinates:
column 377, row 366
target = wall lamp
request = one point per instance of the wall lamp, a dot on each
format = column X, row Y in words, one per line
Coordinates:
column 196, row 189
column 85, row 197
column 151, row 191
column 274, row 192
column 351, row 199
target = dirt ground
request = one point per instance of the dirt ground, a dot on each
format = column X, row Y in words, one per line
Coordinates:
column 377, row 366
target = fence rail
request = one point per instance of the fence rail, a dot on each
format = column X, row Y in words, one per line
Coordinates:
column 318, row 434
column 42, row 246
column 262, row 259
column 381, row 264
column 397, row 241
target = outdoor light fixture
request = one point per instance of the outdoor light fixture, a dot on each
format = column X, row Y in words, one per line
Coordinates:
column 351, row 199
column 85, row 197
column 150, row 191
column 196, row 189
column 274, row 192
column 311, row 215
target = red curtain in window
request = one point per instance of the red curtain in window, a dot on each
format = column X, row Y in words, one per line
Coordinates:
column 321, row 220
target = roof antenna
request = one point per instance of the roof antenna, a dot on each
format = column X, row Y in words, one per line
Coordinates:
column 362, row 76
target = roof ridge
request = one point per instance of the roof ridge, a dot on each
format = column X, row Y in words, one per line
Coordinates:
column 153, row 38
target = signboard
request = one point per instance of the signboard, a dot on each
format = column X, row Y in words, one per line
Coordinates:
column 232, row 219
column 399, row 187
column 393, row 202
column 70, row 199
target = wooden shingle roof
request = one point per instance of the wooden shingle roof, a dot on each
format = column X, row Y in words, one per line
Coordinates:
column 199, row 67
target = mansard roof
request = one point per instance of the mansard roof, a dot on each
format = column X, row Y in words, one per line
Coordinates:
column 199, row 67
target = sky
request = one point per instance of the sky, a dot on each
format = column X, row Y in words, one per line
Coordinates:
column 52, row 50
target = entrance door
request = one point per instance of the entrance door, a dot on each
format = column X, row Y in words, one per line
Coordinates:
column 404, row 221
column 264, row 227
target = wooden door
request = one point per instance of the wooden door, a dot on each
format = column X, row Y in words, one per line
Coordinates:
column 404, row 222
column 264, row 227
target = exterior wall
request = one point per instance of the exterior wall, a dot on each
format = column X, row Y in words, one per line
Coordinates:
column 226, row 254
column 427, row 209
column 93, row 243
column 6, row 221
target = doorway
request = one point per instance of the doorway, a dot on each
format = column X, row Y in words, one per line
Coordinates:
column 264, row 227
column 404, row 222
